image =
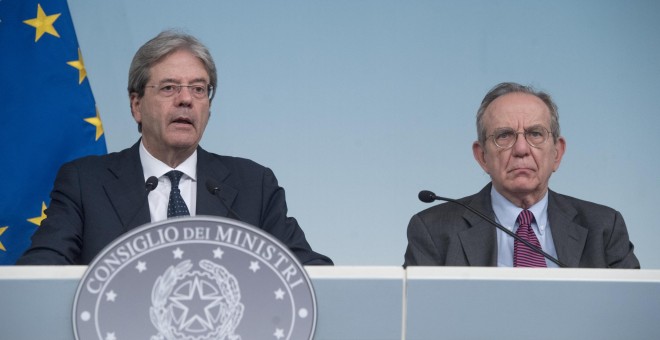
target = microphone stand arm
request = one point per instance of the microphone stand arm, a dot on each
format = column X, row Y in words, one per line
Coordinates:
column 509, row 232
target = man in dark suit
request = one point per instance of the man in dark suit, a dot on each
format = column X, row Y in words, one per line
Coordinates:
column 519, row 145
column 96, row 199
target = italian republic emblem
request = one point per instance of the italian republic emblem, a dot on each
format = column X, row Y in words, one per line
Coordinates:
column 195, row 278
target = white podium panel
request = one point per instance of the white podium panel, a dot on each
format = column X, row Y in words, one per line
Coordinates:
column 36, row 302
column 392, row 303
column 360, row 303
column 517, row 303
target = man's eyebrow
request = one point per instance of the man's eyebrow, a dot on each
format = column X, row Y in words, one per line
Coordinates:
column 199, row 80
column 176, row 81
column 168, row 80
column 535, row 126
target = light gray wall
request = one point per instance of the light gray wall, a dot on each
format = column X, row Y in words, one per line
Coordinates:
column 358, row 105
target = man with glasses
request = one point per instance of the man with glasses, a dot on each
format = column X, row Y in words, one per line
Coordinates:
column 519, row 145
column 96, row 199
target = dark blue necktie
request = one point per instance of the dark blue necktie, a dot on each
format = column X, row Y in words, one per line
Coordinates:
column 176, row 206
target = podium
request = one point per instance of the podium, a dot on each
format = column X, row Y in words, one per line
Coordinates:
column 532, row 303
column 396, row 303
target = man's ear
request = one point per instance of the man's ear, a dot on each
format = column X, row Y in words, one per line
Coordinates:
column 135, row 107
column 479, row 153
column 560, row 149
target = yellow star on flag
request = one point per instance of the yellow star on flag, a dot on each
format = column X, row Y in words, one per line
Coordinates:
column 96, row 121
column 80, row 66
column 43, row 23
column 2, row 246
column 37, row 220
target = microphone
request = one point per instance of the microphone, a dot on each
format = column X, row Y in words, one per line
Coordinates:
column 428, row 197
column 149, row 186
column 214, row 188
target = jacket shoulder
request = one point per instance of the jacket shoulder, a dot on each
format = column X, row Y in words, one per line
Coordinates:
column 582, row 207
column 447, row 213
column 237, row 162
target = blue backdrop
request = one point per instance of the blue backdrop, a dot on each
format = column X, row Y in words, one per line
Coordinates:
column 358, row 105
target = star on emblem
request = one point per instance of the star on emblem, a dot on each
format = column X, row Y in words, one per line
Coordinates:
column 194, row 304
column 141, row 266
column 279, row 333
column 110, row 296
column 254, row 266
column 178, row 253
column 279, row 294
column 217, row 253
column 111, row 336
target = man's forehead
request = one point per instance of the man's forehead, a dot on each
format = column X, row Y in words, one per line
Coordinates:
column 178, row 64
column 515, row 107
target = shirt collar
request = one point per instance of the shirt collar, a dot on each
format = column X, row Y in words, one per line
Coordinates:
column 507, row 213
column 151, row 166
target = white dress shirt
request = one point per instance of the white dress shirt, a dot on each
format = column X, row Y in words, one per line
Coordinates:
column 160, row 197
column 506, row 213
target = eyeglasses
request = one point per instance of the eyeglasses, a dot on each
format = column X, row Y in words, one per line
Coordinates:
column 506, row 138
column 198, row 91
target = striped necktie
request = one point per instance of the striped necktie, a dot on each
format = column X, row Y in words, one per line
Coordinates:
column 522, row 255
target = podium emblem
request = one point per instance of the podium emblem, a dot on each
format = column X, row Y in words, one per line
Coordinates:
column 195, row 278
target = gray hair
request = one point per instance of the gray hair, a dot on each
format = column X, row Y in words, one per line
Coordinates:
column 506, row 88
column 154, row 50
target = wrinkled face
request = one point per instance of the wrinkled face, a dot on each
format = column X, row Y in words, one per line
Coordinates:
column 520, row 173
column 175, row 123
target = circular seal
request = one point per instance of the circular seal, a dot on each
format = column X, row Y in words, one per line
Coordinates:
column 195, row 278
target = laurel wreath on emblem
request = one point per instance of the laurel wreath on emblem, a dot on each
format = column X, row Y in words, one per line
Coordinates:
column 229, row 308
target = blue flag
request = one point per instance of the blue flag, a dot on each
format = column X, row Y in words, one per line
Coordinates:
column 47, row 113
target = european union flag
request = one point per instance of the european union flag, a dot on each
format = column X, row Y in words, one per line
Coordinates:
column 47, row 111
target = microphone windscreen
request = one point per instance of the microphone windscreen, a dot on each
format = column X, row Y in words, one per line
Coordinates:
column 426, row 196
column 151, row 184
column 212, row 186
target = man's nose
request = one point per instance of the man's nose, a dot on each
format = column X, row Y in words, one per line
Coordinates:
column 520, row 147
column 184, row 96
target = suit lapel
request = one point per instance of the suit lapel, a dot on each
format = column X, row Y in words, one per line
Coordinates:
column 126, row 190
column 127, row 194
column 569, row 237
column 209, row 167
column 479, row 241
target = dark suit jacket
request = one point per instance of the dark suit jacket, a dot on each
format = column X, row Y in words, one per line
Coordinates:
column 585, row 234
column 96, row 199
